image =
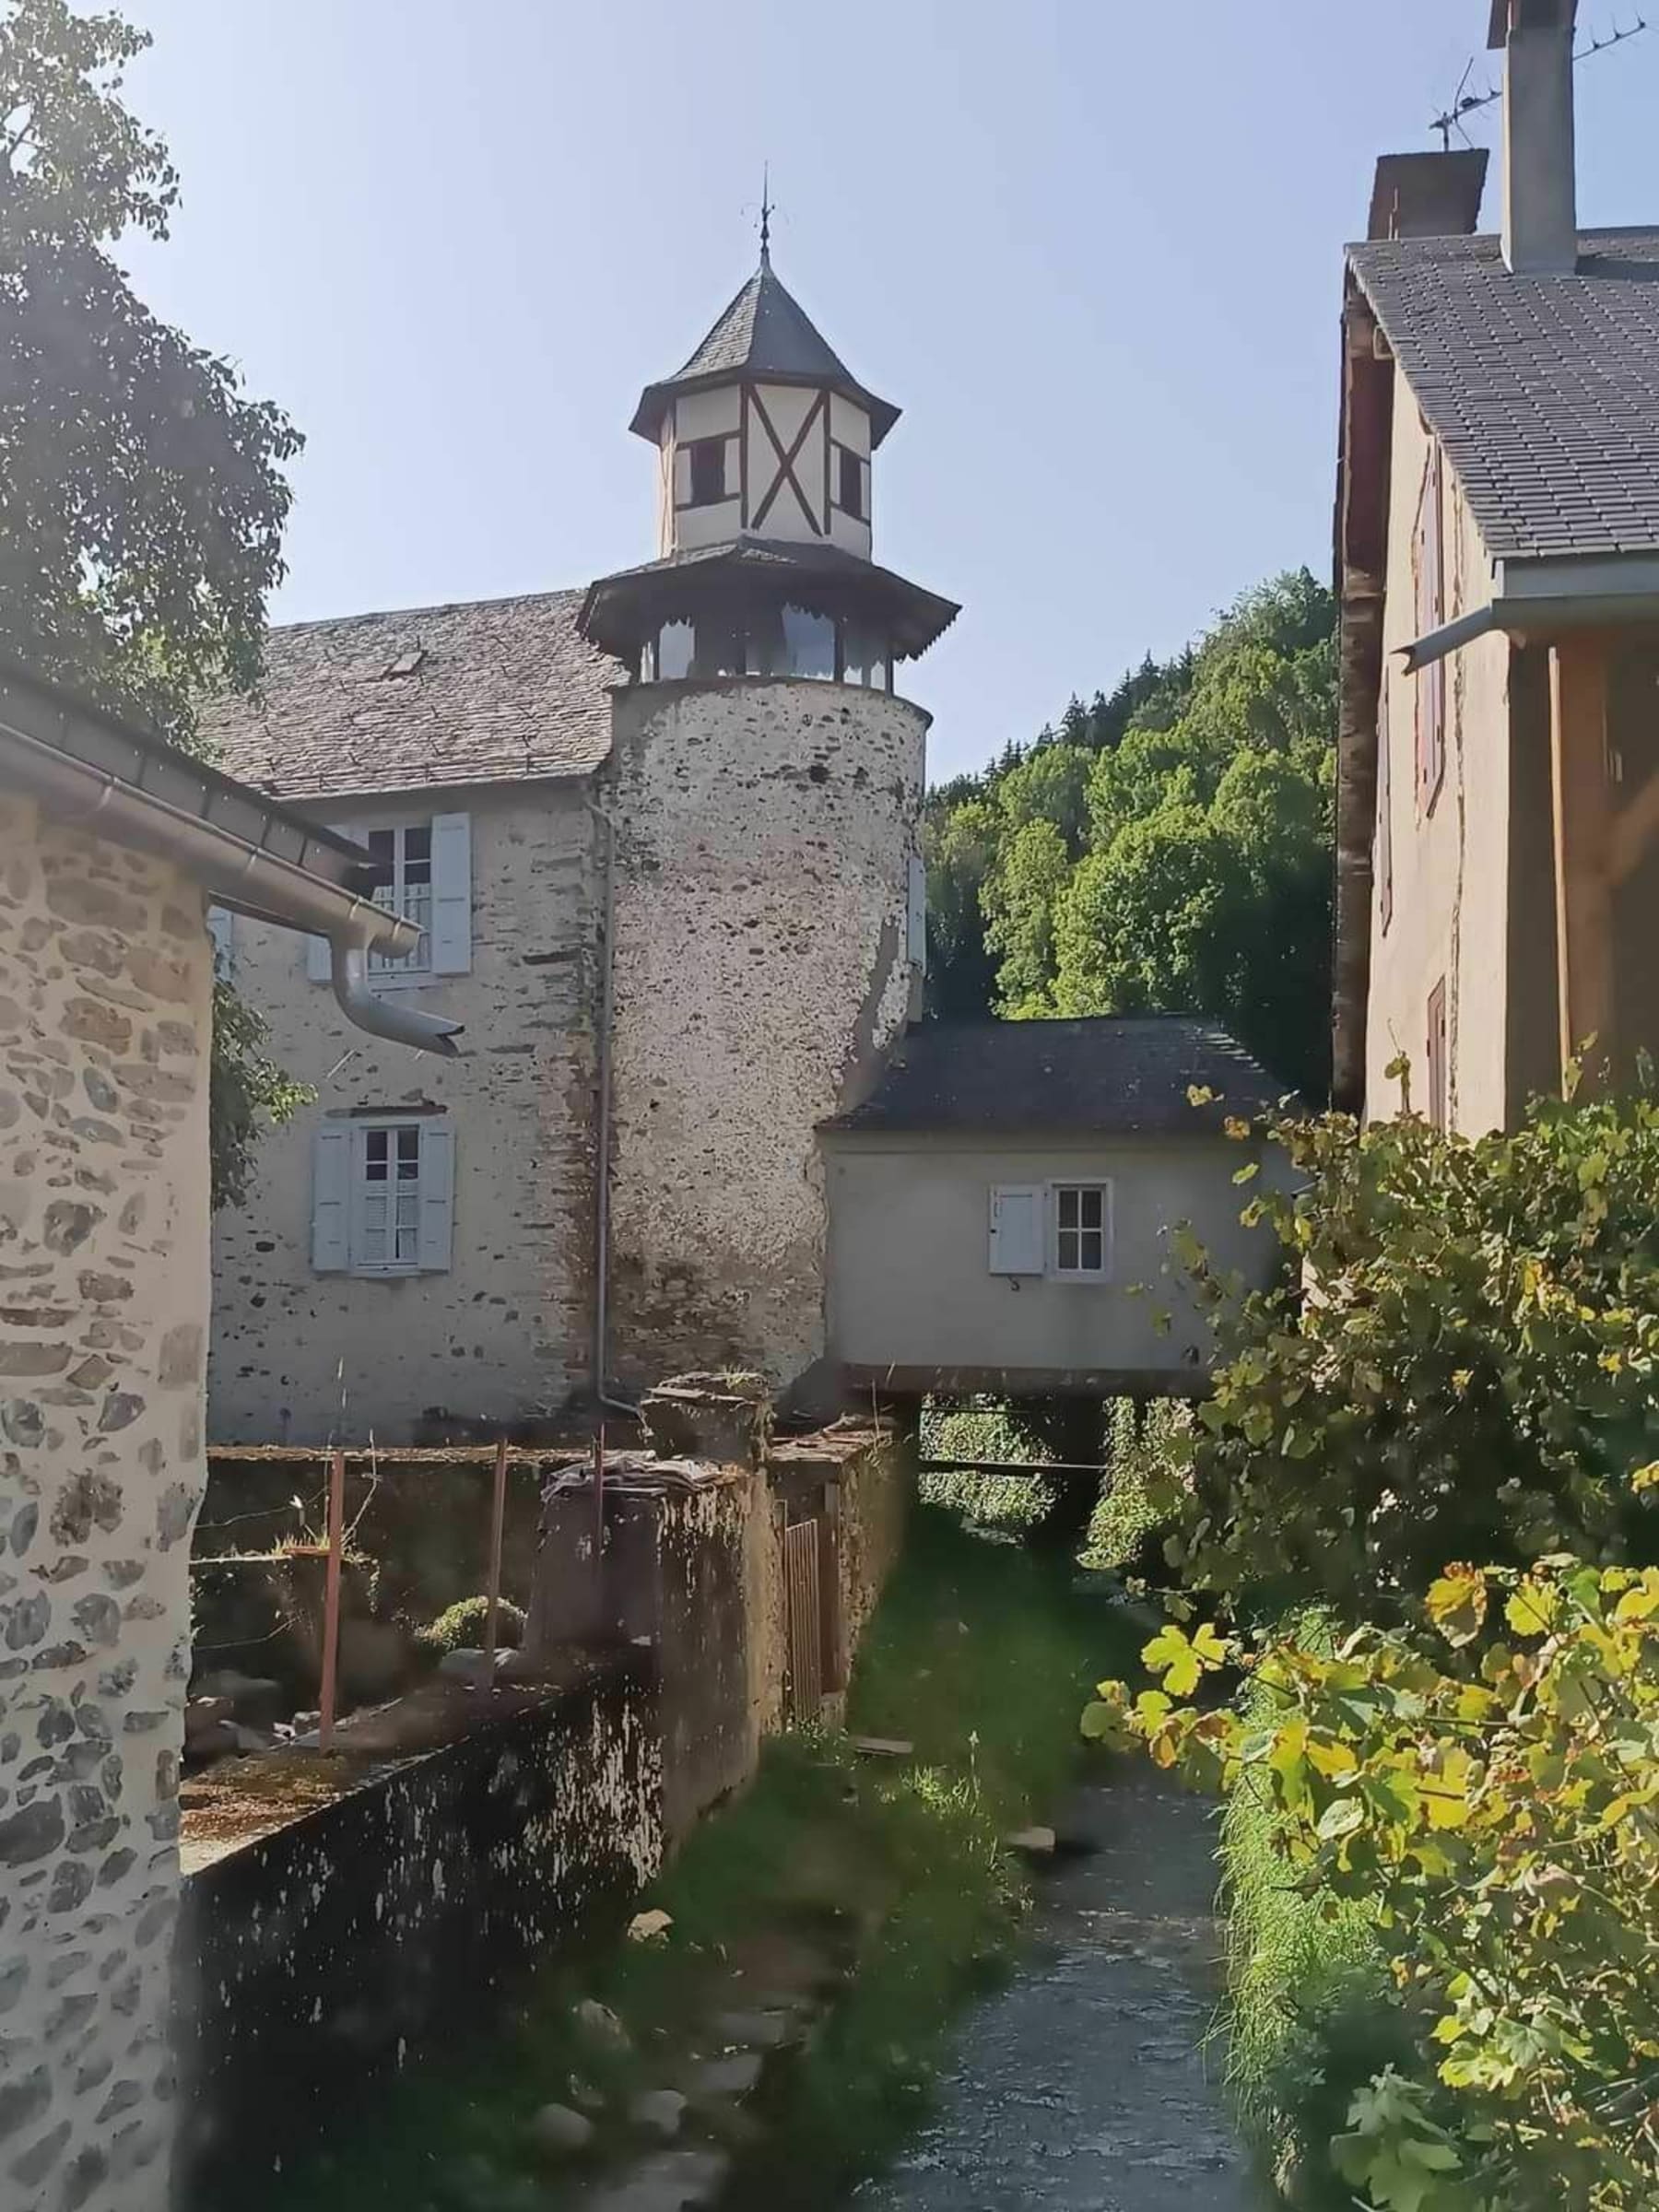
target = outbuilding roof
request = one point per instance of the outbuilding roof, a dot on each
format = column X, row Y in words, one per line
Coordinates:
column 764, row 332
column 1544, row 391
column 492, row 691
column 1110, row 1076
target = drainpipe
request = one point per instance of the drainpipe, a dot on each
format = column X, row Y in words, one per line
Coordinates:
column 602, row 1176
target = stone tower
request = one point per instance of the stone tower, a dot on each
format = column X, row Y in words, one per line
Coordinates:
column 765, row 787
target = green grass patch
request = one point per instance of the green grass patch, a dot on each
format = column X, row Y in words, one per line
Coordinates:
column 893, row 1871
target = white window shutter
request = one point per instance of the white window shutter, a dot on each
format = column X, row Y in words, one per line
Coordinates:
column 331, row 1199
column 220, row 928
column 437, row 1195
column 918, row 911
column 319, row 959
column 1016, row 1229
column 452, row 894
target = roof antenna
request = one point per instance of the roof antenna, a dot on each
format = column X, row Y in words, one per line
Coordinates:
column 1465, row 102
column 767, row 212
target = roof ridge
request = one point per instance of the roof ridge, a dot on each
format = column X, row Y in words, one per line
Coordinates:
column 439, row 606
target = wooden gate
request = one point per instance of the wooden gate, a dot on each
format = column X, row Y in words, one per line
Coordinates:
column 801, row 1566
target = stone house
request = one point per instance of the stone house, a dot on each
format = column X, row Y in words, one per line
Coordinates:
column 1497, row 567
column 110, row 844
column 662, row 837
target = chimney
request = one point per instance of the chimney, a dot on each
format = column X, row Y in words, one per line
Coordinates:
column 1540, row 190
column 1428, row 196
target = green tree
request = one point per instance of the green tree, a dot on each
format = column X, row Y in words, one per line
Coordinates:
column 142, row 499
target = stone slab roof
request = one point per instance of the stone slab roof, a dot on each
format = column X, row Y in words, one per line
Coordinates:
column 1543, row 389
column 493, row 691
column 1113, row 1075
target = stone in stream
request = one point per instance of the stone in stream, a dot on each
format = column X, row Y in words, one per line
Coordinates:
column 754, row 2031
column 557, row 2131
column 674, row 2181
column 718, row 2080
column 599, row 2025
column 1035, row 1842
column 658, row 2112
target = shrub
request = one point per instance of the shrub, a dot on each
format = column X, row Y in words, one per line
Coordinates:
column 461, row 1628
column 1459, row 1361
column 1485, row 1793
column 1145, row 1450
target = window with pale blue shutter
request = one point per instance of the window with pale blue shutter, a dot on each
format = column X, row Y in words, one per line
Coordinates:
column 1016, row 1229
column 452, row 894
column 331, row 1198
column 437, row 1195
column 319, row 959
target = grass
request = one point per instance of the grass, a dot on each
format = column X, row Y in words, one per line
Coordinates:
column 1312, row 2015
column 893, row 1871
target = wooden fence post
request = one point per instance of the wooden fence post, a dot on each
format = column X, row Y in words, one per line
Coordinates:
column 331, row 1599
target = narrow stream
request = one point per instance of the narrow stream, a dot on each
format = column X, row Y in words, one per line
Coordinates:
column 1085, row 2085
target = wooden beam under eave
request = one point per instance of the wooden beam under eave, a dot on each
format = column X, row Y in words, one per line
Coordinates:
column 1582, row 811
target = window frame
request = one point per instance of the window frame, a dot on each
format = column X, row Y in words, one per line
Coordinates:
column 1087, row 1277
column 390, row 1125
column 714, row 445
column 415, row 967
column 1439, row 1056
column 849, row 463
column 1428, row 594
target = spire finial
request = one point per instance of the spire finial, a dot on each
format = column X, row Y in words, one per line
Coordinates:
column 765, row 214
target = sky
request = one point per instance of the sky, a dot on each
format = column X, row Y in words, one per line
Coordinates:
column 1091, row 247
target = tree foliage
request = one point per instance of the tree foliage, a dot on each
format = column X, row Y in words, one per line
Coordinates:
column 142, row 499
column 1165, row 850
column 1458, row 1361
column 1485, row 1795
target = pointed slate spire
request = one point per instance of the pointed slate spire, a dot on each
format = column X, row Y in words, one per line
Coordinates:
column 764, row 335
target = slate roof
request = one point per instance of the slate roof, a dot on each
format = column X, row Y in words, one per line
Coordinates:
column 495, row 690
column 764, row 332
column 1113, row 1075
column 1543, row 389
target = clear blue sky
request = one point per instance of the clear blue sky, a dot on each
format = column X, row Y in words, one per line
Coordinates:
column 1091, row 247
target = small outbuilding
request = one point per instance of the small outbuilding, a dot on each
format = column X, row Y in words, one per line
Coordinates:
column 1000, row 1206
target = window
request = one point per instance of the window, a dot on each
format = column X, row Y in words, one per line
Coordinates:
column 221, row 929
column 381, row 1201
column 849, row 495
column 422, row 871
column 1440, row 1083
column 1082, row 1216
column 708, row 471
column 1429, row 563
column 403, row 885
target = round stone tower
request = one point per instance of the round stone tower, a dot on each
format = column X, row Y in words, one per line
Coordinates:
column 765, row 794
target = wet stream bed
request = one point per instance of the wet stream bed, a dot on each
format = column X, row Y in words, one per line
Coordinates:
column 1092, row 2081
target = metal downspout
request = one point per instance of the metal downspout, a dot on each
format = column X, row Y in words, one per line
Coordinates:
column 601, row 1168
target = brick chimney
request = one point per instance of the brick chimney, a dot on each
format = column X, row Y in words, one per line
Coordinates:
column 1428, row 196
column 1540, row 186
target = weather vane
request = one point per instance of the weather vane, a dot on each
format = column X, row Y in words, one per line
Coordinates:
column 1465, row 102
column 767, row 211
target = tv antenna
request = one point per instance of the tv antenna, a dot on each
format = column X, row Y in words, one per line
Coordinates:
column 1465, row 102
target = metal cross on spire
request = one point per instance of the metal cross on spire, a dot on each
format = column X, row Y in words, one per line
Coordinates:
column 767, row 212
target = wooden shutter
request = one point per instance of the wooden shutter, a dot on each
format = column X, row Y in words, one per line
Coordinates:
column 1016, row 1228
column 917, row 913
column 452, row 894
column 319, row 959
column 331, row 1198
column 437, row 1195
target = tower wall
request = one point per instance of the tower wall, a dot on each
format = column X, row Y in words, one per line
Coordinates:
column 765, row 831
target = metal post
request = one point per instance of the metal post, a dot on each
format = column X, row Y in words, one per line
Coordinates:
column 331, row 1599
column 498, row 1513
column 599, row 1524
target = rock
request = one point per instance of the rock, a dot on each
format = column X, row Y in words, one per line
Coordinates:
column 677, row 2181
column 726, row 2080
column 248, row 1739
column 557, row 2131
column 882, row 1746
column 649, row 1927
column 473, row 1668
column 658, row 2112
column 586, row 2096
column 754, row 2031
column 1036, row 1843
column 599, row 2025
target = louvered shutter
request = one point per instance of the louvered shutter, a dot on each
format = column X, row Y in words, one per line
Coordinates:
column 437, row 1195
column 319, row 959
column 1016, row 1229
column 452, row 894
column 331, row 1200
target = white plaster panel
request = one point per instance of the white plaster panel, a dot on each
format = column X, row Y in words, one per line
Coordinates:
column 787, row 407
column 505, row 1332
column 105, row 977
column 761, row 973
column 1450, row 862
column 707, row 414
column 715, row 524
column 850, row 423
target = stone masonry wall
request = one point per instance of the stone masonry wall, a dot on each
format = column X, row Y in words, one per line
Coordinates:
column 104, row 1029
column 760, row 972
column 505, row 1334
